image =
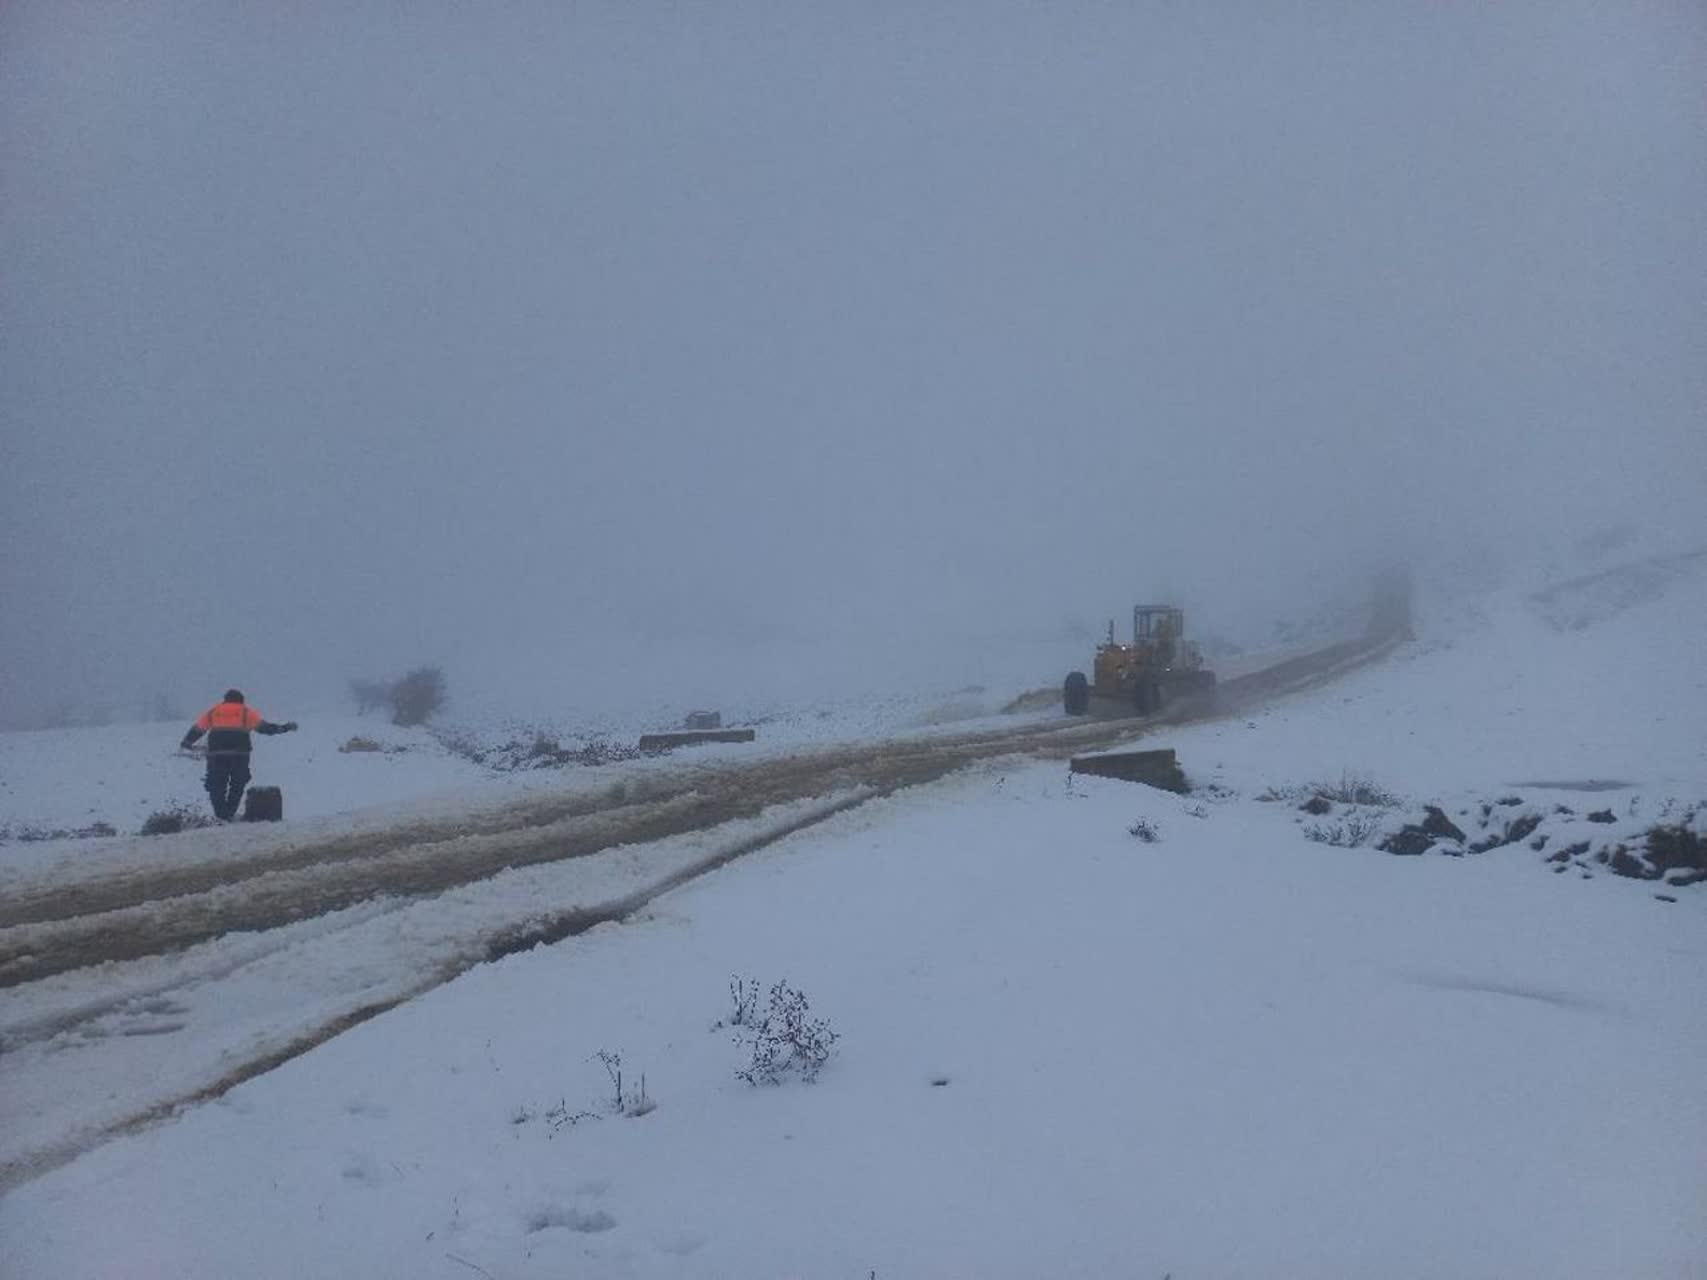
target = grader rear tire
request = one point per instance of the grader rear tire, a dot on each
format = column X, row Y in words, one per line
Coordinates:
column 1076, row 693
column 1147, row 698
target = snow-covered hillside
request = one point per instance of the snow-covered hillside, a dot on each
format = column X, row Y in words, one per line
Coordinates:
column 1085, row 1028
column 1499, row 688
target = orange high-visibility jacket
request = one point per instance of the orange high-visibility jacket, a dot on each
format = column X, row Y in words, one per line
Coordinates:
column 228, row 725
column 229, row 715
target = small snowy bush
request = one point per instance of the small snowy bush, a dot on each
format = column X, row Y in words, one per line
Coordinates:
column 417, row 696
column 1354, row 788
column 1350, row 832
column 1145, row 830
column 785, row 1040
column 627, row 1102
column 557, row 1118
column 744, row 996
column 166, row 822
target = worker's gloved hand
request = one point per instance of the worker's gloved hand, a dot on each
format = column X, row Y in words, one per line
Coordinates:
column 290, row 726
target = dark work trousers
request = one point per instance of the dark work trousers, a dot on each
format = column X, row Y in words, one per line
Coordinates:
column 227, row 775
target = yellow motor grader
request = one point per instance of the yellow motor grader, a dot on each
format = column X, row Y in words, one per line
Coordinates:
column 1159, row 666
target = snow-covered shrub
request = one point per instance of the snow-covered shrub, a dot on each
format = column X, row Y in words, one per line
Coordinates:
column 744, row 996
column 529, row 747
column 1145, row 830
column 601, row 751
column 621, row 1101
column 785, row 1040
column 1349, row 832
column 359, row 744
column 631, row 1102
column 557, row 1118
column 416, row 696
column 170, row 821
column 1356, row 789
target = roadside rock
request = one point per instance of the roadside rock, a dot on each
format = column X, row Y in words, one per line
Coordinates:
column 1675, row 853
column 1522, row 828
column 1437, row 824
column 1677, row 848
column 1419, row 837
column 1515, row 830
column 1408, row 841
column 1624, row 863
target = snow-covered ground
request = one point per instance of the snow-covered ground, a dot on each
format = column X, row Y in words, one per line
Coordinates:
column 69, row 780
column 1063, row 1049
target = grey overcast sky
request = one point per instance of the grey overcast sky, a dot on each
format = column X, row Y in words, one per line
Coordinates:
column 584, row 342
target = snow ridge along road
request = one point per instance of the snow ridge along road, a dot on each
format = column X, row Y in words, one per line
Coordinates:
column 126, row 915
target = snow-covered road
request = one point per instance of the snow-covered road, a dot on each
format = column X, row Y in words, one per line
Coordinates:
column 229, row 879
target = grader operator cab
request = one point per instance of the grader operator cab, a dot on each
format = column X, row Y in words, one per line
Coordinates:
column 1158, row 667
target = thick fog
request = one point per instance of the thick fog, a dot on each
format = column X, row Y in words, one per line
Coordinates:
column 591, row 347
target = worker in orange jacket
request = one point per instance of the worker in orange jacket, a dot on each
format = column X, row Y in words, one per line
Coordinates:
column 228, row 724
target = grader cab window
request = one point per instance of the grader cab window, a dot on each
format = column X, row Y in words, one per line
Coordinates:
column 1149, row 623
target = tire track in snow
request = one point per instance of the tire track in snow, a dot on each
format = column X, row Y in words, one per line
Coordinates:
column 462, row 942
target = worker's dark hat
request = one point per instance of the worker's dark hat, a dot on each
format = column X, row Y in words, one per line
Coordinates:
column 234, row 695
